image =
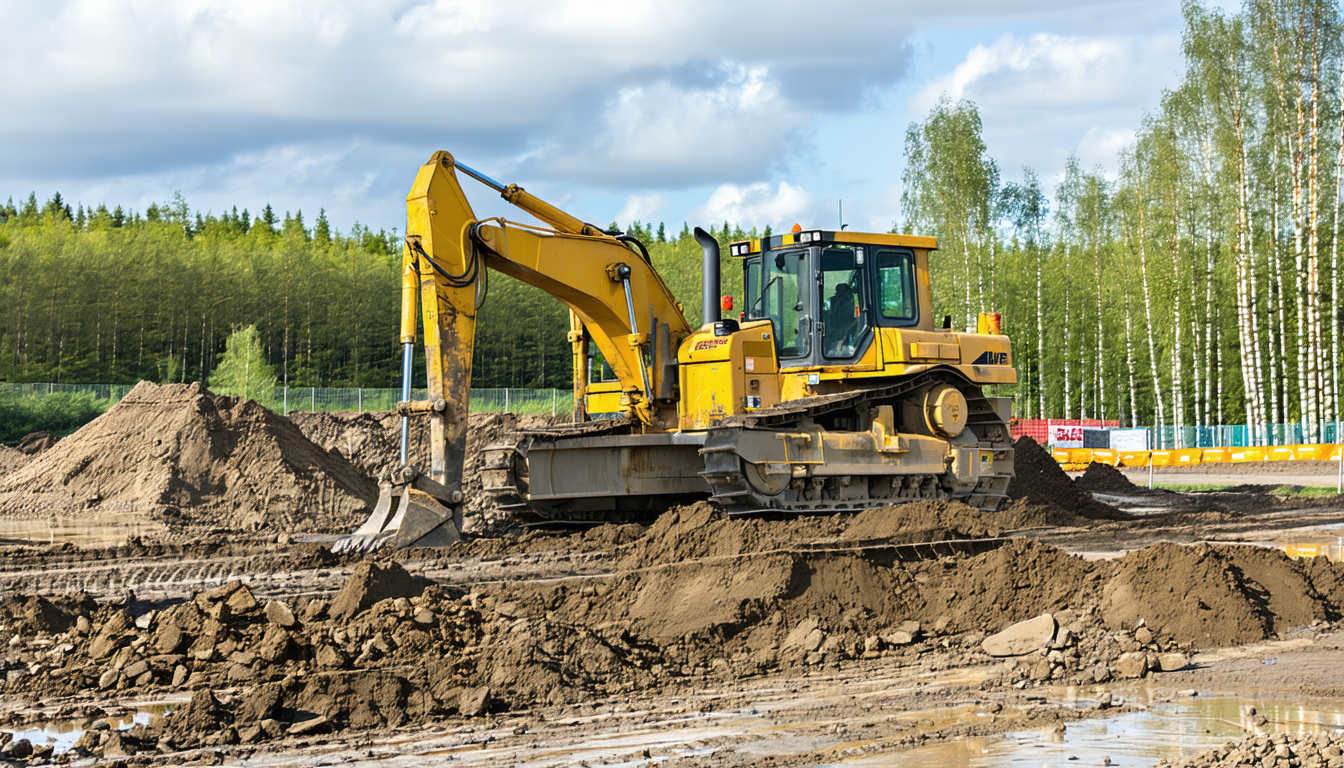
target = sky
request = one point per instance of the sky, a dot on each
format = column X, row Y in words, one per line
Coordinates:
column 752, row 112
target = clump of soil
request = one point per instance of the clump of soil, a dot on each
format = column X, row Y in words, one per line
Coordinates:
column 183, row 456
column 1039, row 479
column 370, row 583
column 1103, row 478
column 34, row 443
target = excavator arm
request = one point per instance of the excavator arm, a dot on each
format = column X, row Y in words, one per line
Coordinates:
column 617, row 302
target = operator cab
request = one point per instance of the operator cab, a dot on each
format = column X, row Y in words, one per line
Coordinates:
column 824, row 292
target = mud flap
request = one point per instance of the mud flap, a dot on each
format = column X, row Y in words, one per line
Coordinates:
column 404, row 517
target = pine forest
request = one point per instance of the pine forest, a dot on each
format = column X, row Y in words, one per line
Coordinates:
column 1196, row 285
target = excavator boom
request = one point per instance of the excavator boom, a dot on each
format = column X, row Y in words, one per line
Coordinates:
column 617, row 302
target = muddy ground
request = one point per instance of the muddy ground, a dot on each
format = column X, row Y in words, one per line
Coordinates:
column 697, row 640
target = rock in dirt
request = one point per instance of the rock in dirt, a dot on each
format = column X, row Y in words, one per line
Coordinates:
column 1039, row 478
column 473, row 701
column 198, row 720
column 1131, row 666
column 181, row 456
column 371, row 582
column 280, row 614
column 1172, row 662
column 1021, row 638
column 233, row 594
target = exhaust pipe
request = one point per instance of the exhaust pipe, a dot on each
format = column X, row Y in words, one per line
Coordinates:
column 709, row 275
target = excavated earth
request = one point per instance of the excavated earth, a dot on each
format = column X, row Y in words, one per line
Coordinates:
column 235, row 634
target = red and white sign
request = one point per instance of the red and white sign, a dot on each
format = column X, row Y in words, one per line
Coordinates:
column 1062, row 436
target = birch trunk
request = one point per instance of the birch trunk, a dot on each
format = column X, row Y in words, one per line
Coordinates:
column 1334, row 266
column 1148, row 316
column 1068, row 334
column 1040, row 328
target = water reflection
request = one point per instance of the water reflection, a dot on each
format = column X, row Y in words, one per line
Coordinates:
column 62, row 734
column 1166, row 730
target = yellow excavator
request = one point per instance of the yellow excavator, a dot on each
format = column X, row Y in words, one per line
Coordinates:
column 834, row 390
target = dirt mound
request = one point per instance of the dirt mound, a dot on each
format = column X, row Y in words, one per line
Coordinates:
column 1039, row 479
column 183, row 456
column 34, row 443
column 1210, row 596
column 372, row 441
column 1103, row 478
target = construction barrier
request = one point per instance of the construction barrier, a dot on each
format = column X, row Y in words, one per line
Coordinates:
column 1192, row 456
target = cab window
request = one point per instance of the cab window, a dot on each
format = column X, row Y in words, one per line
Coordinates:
column 896, row 286
column 844, row 302
column 786, row 300
column 753, row 288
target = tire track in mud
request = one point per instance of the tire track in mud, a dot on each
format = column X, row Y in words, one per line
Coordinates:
column 174, row 575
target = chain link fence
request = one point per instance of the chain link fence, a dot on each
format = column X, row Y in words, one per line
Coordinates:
column 286, row 399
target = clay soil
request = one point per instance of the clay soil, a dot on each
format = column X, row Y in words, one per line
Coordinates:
column 697, row 640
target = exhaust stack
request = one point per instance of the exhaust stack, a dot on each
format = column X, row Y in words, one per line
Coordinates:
column 709, row 275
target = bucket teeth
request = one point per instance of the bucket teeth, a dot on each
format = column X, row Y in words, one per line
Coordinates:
column 404, row 517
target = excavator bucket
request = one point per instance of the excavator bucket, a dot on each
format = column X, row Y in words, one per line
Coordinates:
column 405, row 516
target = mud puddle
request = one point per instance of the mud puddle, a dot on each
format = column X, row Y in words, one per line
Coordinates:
column 63, row 734
column 1167, row 730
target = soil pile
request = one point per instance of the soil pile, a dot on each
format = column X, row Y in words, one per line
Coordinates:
column 1103, row 478
column 179, row 454
column 1309, row 750
column 1039, row 479
column 372, row 441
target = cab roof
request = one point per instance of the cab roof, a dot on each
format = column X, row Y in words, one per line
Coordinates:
column 839, row 237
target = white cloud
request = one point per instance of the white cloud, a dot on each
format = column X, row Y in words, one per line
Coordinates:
column 1039, row 96
column 645, row 208
column 677, row 134
column 755, row 205
column 1052, row 71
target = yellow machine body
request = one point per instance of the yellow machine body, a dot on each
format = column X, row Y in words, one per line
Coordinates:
column 836, row 388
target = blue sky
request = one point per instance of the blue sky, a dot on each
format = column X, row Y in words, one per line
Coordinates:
column 760, row 113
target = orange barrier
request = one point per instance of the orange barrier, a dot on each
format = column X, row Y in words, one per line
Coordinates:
column 1192, row 456
column 1133, row 459
column 1215, row 455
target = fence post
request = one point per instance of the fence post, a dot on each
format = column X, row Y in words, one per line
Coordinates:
column 359, row 395
column 312, row 398
column 286, row 397
column 506, row 399
column 554, row 401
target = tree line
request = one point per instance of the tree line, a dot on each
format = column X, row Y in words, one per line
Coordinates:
column 92, row 295
column 1200, row 285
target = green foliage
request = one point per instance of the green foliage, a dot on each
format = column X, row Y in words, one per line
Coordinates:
column 60, row 413
column 242, row 368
